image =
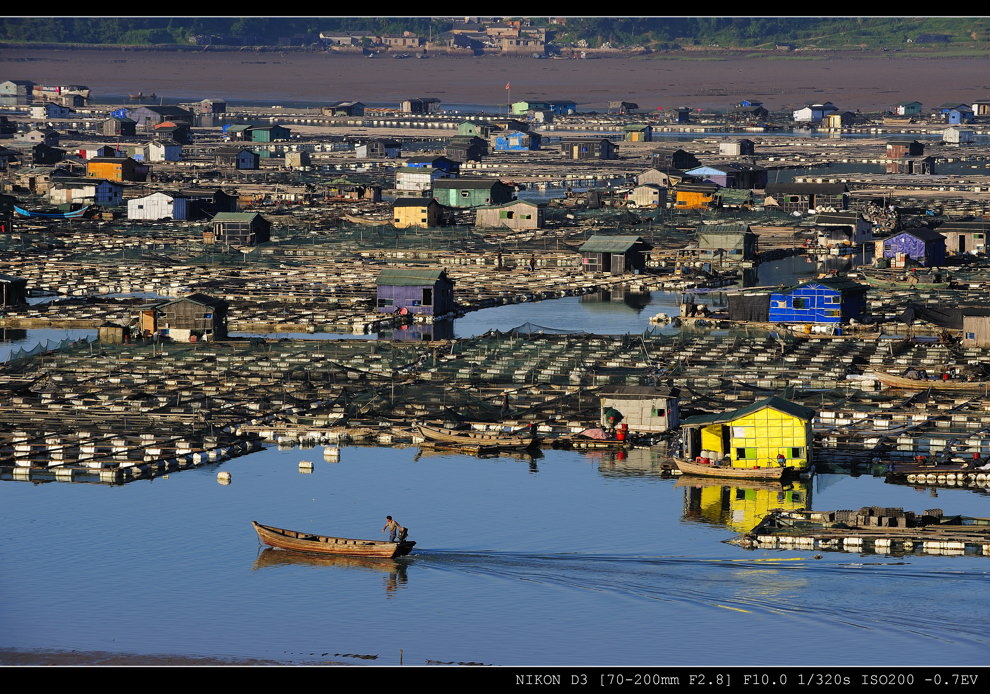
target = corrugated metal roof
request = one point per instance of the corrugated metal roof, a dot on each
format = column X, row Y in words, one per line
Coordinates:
column 611, row 244
column 409, row 277
column 777, row 403
column 234, row 216
column 458, row 183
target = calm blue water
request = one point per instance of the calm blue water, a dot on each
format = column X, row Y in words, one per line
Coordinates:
column 567, row 560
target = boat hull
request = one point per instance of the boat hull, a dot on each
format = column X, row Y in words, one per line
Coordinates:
column 324, row 544
column 952, row 386
column 477, row 438
column 724, row 471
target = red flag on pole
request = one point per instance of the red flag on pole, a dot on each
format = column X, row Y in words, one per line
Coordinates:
column 507, row 85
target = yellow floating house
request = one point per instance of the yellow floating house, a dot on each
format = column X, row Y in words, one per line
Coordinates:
column 758, row 435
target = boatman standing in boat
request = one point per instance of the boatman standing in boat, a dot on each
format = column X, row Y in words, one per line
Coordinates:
column 394, row 529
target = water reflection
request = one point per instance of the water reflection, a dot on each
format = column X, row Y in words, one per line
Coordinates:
column 740, row 505
column 395, row 569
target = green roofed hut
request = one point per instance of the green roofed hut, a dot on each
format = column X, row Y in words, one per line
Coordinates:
column 615, row 255
column 419, row 291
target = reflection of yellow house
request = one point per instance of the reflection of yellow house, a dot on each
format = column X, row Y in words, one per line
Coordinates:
column 740, row 505
column 753, row 436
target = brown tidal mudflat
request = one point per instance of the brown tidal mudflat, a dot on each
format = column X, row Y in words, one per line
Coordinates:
column 868, row 82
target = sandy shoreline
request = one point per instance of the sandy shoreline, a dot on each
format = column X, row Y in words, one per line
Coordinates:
column 871, row 82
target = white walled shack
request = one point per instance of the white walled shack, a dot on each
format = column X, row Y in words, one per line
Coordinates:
column 643, row 408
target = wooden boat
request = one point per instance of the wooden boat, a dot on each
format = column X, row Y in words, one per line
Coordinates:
column 478, row 438
column 950, row 385
column 744, row 473
column 322, row 544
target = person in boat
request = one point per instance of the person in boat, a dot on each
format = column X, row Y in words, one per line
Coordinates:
column 781, row 460
column 394, row 530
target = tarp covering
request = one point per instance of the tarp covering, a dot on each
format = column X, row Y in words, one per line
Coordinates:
column 749, row 307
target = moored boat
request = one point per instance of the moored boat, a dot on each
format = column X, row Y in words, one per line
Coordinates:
column 748, row 473
column 478, row 438
column 951, row 384
column 325, row 544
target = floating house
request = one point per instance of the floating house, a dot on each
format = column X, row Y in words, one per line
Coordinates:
column 558, row 108
column 419, row 212
column 752, row 436
column 590, row 148
column 832, row 300
column 378, row 149
column 647, row 195
column 843, row 229
column 420, row 106
column 965, row 237
column 449, row 167
column 235, row 157
column 731, row 175
column 470, row 128
column 814, row 113
column 343, row 108
column 805, row 197
column 921, row 245
column 116, row 169
column 518, row 214
column 516, row 141
column 417, row 179
column 638, row 132
column 958, row 136
column 270, row 133
column 159, row 206
column 975, row 327
column 149, row 116
column 736, row 148
column 614, row 255
column 239, row 229
column 13, row 290
column 908, row 108
column 193, row 318
column 727, row 242
column 466, row 148
column 86, row 191
column 471, row 192
column 673, row 158
column 643, row 408
column 420, row 291
column 694, row 196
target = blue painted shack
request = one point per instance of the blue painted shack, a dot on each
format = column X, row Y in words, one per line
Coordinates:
column 955, row 114
column 831, row 300
column 516, row 141
column 420, row 291
column 922, row 245
column 449, row 167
